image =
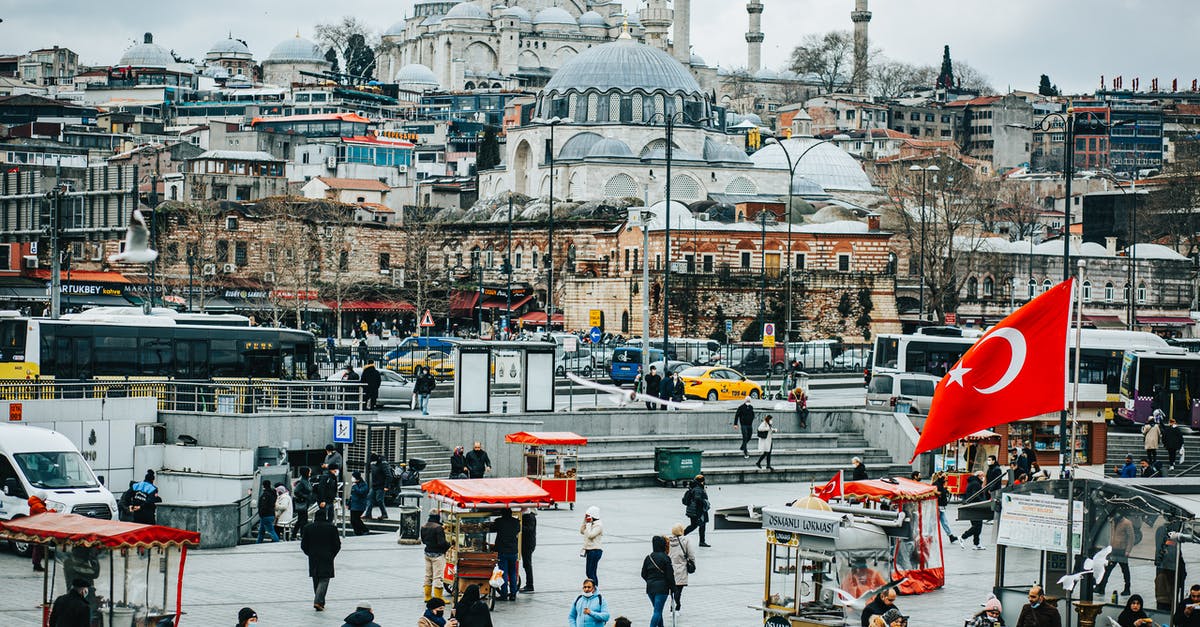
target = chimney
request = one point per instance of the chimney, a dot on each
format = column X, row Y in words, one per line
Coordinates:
column 148, row 38
column 1110, row 246
column 873, row 222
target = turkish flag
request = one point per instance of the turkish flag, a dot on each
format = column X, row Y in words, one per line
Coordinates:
column 1016, row 370
column 831, row 489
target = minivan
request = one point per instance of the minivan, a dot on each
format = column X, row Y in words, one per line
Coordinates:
column 625, row 363
column 887, row 389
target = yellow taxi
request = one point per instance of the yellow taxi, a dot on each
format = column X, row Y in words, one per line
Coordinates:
column 439, row 363
column 717, row 384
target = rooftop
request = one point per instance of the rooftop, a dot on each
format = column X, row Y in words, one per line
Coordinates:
column 370, row 185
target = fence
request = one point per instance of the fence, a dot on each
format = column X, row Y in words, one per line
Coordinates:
column 225, row 396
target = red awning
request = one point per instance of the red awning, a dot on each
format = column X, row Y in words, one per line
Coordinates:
column 488, row 493
column 546, row 438
column 539, row 317
column 371, row 305
column 462, row 304
column 897, row 489
column 1166, row 321
column 500, row 302
column 84, row 275
column 1104, row 322
column 982, row 435
column 92, row 532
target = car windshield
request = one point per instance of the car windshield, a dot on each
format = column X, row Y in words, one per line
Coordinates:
column 694, row 371
column 56, row 469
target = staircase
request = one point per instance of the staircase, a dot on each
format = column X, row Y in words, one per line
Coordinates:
column 435, row 455
column 628, row 461
column 1122, row 444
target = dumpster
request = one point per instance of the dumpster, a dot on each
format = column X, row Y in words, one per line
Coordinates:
column 676, row 463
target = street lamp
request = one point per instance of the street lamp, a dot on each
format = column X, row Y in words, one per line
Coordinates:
column 549, row 259
column 763, row 217
column 1131, row 275
column 507, row 268
column 921, row 271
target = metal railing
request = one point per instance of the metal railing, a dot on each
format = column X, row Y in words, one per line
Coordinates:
column 229, row 396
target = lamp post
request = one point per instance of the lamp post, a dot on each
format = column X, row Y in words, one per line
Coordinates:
column 508, row 270
column 921, row 267
column 762, row 217
column 549, row 259
column 191, row 263
column 644, row 218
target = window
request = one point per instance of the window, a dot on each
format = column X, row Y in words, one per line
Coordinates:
column 945, row 119
column 745, row 260
column 627, row 254
column 242, row 192
column 800, row 259
column 239, row 253
column 708, row 264
column 1108, row 292
column 989, row 287
column 1087, row 291
column 517, row 259
column 1046, row 286
column 1141, row 293
column 534, row 259
column 222, row 250
column 343, row 261
column 220, row 192
column 636, row 265
column 972, row 288
column 1032, row 288
column 385, row 261
column 844, row 262
column 231, row 223
column 1125, row 293
column 690, row 260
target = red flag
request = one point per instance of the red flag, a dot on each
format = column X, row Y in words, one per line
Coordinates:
column 1016, row 370
column 831, row 489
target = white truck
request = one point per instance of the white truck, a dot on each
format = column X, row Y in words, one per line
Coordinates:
column 36, row 461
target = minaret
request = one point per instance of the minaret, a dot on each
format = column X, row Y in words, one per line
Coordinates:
column 861, row 18
column 656, row 19
column 682, row 43
column 754, row 37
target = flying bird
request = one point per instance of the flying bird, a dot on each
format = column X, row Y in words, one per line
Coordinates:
column 844, row 598
column 137, row 243
column 623, row 397
column 1098, row 563
column 1068, row 582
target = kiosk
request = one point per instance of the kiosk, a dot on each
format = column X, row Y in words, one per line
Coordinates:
column 558, row 450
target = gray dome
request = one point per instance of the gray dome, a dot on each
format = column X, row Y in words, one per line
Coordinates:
column 520, row 13
column 296, row 49
column 395, row 30
column 417, row 74
column 554, row 15
column 826, row 164
column 147, row 54
column 433, row 20
column 609, row 148
column 578, row 146
column 715, row 151
column 624, row 65
column 215, row 71
column 752, row 117
column 698, row 60
column 766, row 74
column 807, row 187
column 229, row 46
column 467, row 11
column 633, row 19
column 660, row 154
column 591, row 18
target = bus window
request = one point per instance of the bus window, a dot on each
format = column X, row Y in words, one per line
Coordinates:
column 157, row 358
column 887, row 352
column 116, row 355
column 191, row 359
column 12, row 340
column 224, row 359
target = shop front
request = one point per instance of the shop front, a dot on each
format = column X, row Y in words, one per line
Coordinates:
column 1042, row 436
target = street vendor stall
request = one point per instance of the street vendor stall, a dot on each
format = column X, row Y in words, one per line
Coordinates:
column 467, row 506
column 558, row 450
column 962, row 457
column 141, row 560
column 917, row 554
column 798, row 584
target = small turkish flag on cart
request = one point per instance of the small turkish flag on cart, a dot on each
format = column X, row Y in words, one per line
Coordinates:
column 831, row 489
column 1016, row 370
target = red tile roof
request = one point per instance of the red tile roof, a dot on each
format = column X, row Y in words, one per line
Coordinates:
column 974, row 102
column 370, row 185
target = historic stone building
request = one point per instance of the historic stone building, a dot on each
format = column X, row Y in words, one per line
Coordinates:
column 283, row 66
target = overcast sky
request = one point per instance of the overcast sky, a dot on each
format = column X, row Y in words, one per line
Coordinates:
column 1011, row 42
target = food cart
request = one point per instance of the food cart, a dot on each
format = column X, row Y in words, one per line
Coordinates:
column 917, row 549
column 962, row 457
column 560, row 451
column 467, row 506
column 136, row 574
column 798, row 585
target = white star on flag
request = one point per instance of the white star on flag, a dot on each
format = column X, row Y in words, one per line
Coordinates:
column 956, row 375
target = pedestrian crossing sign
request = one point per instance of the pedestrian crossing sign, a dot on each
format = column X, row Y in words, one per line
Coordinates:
column 427, row 319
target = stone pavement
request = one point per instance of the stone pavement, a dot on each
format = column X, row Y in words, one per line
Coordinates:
column 272, row 578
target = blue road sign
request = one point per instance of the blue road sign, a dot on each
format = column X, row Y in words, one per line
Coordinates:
column 728, row 326
column 343, row 429
column 596, row 335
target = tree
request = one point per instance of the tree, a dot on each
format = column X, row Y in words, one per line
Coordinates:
column 424, row 281
column 194, row 227
column 829, row 56
column 332, row 58
column 350, row 42
column 971, row 79
column 488, row 156
column 293, row 258
column 890, row 79
column 1047, row 89
column 945, row 79
column 360, row 58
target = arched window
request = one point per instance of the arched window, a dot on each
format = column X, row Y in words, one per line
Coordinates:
column 989, row 287
column 518, row 256
column 1141, row 293
column 621, row 186
column 1087, row 291
column 1125, row 293
column 972, row 288
column 534, row 258
column 1032, row 288
column 1046, row 286
column 1108, row 292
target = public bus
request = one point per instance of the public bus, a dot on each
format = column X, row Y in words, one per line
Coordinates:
column 1166, row 379
column 125, row 342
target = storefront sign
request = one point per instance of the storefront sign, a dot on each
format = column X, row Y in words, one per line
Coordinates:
column 803, row 522
column 245, row 294
column 90, row 289
column 294, row 294
column 1036, row 521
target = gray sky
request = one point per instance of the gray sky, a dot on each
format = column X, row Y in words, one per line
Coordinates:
column 1011, row 42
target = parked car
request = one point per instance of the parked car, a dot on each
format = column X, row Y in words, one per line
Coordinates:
column 887, row 389
column 579, row 360
column 394, row 388
column 813, row 355
column 625, row 362
column 439, row 363
column 718, row 384
column 853, row 359
column 672, row 366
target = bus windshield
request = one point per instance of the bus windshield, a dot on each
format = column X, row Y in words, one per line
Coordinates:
column 56, row 469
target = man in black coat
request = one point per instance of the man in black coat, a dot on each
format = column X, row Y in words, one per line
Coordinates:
column 665, row 389
column 327, row 490
column 371, row 380
column 653, row 382
column 72, row 609
column 880, row 605
column 696, row 500
column 744, row 418
column 860, row 470
column 381, row 479
column 677, row 388
column 508, row 534
column 994, row 474
column 478, row 462
column 302, row 497
column 528, row 544
column 1172, row 438
column 321, row 544
column 975, row 493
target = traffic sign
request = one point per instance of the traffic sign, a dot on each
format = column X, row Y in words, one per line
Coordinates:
column 595, row 335
column 728, row 326
column 595, row 318
column 343, row 429
column 427, row 319
column 768, row 339
column 951, row 318
column 570, row 344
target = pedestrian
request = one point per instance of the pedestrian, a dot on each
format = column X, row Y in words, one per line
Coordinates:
column 72, row 609
column 677, row 388
column 652, row 384
column 434, row 615
column 1129, row 470
column 362, row 351
column 478, row 462
column 302, row 497
column 1037, row 612
column 321, row 544
column 458, row 464
column 471, row 610
column 1147, row 470
column 1134, row 615
column 766, row 435
column 683, row 562
column 743, row 419
column 247, row 616
column 621, row 621
column 893, row 618
column 361, row 616
column 360, row 495
column 1172, row 439
column 348, row 374
column 989, row 616
column 665, row 388
column 592, row 531
column 332, row 457
column 589, row 608
column 327, row 489
column 975, row 493
column 1152, row 436
column 939, row 482
column 1121, row 538
column 266, row 512
column 1168, row 583
column 696, row 500
column 659, row 577
column 862, row 578
column 433, row 536
column 37, row 552
column 144, row 502
column 124, row 511
column 799, row 400
column 1037, row 473
column 330, row 347
column 992, row 478
column 371, row 380
column 285, row 513
column 1187, row 612
column 381, row 479
column 883, row 603
column 860, row 470
column 508, row 537
column 528, row 544
column 423, row 388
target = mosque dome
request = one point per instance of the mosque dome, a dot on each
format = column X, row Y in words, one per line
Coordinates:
column 147, row 54
column 296, row 49
column 395, row 30
column 554, row 15
column 467, row 11
column 518, row 12
column 227, row 47
column 697, row 60
column 766, row 74
column 609, row 148
column 418, row 75
column 591, row 18
column 826, row 164
column 807, row 187
column 578, row 146
column 623, row 65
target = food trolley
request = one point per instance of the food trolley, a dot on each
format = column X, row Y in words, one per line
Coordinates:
column 917, row 554
column 130, row 563
column 560, row 451
column 467, row 506
column 798, row 584
column 961, row 457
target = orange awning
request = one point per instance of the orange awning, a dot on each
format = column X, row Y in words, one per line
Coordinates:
column 92, row 532
column 546, row 438
column 895, row 489
column 488, row 493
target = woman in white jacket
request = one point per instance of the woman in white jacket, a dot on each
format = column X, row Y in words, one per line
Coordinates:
column 680, row 551
column 285, row 514
column 766, row 432
column 593, row 534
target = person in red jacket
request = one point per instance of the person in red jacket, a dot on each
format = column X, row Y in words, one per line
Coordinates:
column 37, row 506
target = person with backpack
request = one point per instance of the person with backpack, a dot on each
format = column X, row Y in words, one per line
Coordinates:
column 302, row 497
column 381, row 481
column 696, row 500
column 683, row 561
column 266, row 512
column 589, row 608
column 433, row 536
column 659, row 577
column 1172, row 438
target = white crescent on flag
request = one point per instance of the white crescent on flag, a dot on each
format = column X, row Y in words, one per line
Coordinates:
column 1016, row 342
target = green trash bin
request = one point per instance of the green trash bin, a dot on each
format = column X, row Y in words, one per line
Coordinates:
column 676, row 463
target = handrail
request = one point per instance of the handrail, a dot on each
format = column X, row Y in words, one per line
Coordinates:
column 222, row 396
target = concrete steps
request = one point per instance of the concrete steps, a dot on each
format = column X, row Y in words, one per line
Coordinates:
column 1121, row 444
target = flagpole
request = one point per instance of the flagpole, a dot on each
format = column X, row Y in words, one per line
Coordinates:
column 1078, row 298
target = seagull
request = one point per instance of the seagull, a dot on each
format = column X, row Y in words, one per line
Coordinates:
column 1112, row 622
column 1098, row 563
column 137, row 243
column 1068, row 582
column 623, row 397
column 859, row 603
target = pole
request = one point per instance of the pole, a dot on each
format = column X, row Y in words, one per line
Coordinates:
column 191, row 270
column 1074, row 418
column 550, row 251
column 508, row 272
column 762, row 271
column 1068, row 167
column 646, row 285
column 666, row 300
column 921, row 266
column 1133, row 256
column 153, row 234
column 55, row 253
column 787, row 334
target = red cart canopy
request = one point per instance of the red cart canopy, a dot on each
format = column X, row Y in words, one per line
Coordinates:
column 94, row 533
column 480, row 493
column 895, row 489
column 546, row 438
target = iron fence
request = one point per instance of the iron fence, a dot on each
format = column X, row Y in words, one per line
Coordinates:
column 230, row 396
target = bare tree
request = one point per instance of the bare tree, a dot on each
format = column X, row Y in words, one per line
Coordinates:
column 1173, row 211
column 890, row 79
column 424, row 282
column 830, row 56
column 350, row 39
column 192, row 228
column 333, row 238
column 1015, row 212
column 292, row 256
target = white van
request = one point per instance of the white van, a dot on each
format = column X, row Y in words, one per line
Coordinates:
column 44, row 462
